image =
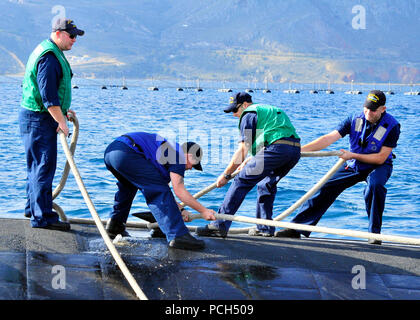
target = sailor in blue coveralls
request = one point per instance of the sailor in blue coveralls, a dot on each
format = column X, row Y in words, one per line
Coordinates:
column 148, row 162
column 373, row 135
column 267, row 132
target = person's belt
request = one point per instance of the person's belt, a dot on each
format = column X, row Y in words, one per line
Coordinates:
column 133, row 143
column 290, row 143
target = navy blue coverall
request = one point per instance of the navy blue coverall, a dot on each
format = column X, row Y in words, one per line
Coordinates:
column 39, row 134
column 374, row 194
column 136, row 170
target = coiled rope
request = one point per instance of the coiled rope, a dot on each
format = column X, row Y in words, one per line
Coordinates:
column 97, row 220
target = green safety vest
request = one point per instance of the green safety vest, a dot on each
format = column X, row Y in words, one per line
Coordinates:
column 272, row 124
column 31, row 97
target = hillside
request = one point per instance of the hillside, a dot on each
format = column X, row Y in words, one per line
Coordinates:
column 300, row 40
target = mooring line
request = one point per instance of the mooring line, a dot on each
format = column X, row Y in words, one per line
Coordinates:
column 305, row 197
column 304, row 227
column 65, row 174
column 133, row 283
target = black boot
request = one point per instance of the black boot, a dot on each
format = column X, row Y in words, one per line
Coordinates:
column 58, row 225
column 373, row 241
column 157, row 233
column 113, row 228
column 188, row 242
column 287, row 233
column 210, row 231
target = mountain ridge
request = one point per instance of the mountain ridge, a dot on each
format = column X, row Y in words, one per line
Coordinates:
column 294, row 40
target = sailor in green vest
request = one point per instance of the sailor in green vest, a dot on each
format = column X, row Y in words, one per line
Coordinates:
column 267, row 133
column 45, row 105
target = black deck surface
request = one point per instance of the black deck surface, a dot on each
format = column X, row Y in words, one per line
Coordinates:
column 238, row 267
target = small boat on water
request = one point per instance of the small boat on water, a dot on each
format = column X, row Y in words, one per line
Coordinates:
column 290, row 90
column 314, row 90
column 329, row 90
column 411, row 92
column 198, row 88
column 249, row 90
column 266, row 90
column 389, row 92
column 124, row 87
column 352, row 91
column 224, row 89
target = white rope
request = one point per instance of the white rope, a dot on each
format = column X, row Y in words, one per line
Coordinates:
column 98, row 221
column 64, row 176
column 289, row 225
column 73, row 144
column 312, row 191
column 341, row 232
column 304, row 227
column 305, row 197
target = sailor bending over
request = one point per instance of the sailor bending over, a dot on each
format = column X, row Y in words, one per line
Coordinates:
column 148, row 162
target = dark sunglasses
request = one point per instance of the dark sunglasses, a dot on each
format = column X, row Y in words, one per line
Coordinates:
column 71, row 36
column 237, row 108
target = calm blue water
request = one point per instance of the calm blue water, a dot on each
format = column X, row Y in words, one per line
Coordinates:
column 198, row 116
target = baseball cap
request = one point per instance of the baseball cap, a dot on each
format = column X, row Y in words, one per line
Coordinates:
column 62, row 24
column 194, row 149
column 375, row 99
column 236, row 99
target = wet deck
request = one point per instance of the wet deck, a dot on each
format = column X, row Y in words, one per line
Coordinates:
column 239, row 267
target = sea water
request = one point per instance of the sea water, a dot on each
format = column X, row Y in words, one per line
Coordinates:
column 198, row 116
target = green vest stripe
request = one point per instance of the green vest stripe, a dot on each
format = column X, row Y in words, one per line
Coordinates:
column 272, row 124
column 31, row 97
